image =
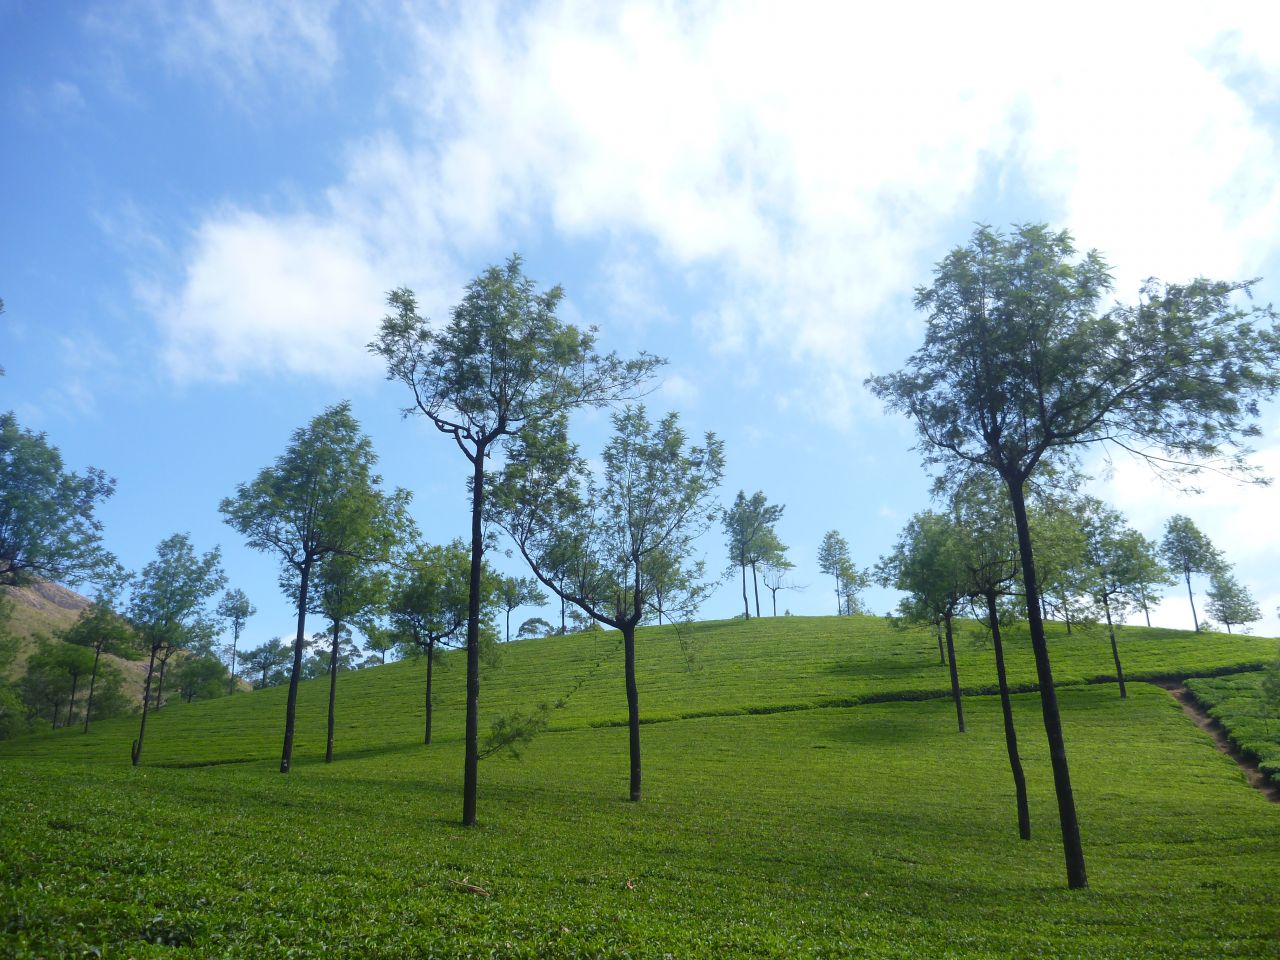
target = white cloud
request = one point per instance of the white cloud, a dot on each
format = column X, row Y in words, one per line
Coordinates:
column 803, row 165
column 267, row 295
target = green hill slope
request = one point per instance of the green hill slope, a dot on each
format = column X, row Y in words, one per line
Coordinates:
column 868, row 830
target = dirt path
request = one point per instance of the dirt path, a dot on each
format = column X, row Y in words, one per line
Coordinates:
column 1212, row 727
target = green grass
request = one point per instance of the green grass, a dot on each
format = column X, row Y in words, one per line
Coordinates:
column 1236, row 702
column 871, row 830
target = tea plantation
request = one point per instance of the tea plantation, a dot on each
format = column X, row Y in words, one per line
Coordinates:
column 806, row 793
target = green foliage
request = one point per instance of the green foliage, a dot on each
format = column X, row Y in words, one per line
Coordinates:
column 752, row 540
column 1230, row 602
column 48, row 528
column 513, row 592
column 608, row 544
column 534, row 627
column 835, row 561
column 200, row 678
column 168, row 603
column 1248, row 706
column 264, row 665
column 53, row 676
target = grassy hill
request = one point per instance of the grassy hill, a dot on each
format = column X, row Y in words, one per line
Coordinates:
column 786, row 812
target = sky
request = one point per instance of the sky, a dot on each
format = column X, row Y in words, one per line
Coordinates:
column 204, row 205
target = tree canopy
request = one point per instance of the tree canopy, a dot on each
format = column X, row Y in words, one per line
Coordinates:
column 48, row 527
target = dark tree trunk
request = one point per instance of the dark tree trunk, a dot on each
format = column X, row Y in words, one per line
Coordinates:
column 291, row 706
column 775, row 600
column 93, row 680
column 1072, row 848
column 231, row 680
column 508, row 625
column 942, row 653
column 1186, row 572
column 755, row 586
column 746, row 607
column 1115, row 650
column 1010, row 734
column 333, row 690
column 955, row 676
column 471, row 766
column 1146, row 610
column 164, row 661
column 146, row 699
column 839, row 595
column 431, row 656
column 71, row 704
column 563, row 626
column 1066, row 617
column 633, row 706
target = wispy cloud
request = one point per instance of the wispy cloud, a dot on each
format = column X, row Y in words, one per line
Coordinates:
column 801, row 167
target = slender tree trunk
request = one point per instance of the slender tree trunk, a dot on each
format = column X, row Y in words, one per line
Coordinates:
column 563, row 629
column 231, row 680
column 291, row 706
column 1066, row 617
column 755, row 586
column 1072, row 849
column 471, row 768
column 1186, row 572
column 775, row 601
column 146, row 699
column 1010, row 734
column 1146, row 610
column 333, row 690
column 942, row 653
column 1115, row 650
column 633, row 707
column 746, row 608
column 71, row 704
column 431, row 656
column 839, row 605
column 93, row 680
column 1228, row 628
column 164, row 661
column 508, row 625
column 955, row 676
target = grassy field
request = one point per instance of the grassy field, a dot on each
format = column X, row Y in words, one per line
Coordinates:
column 866, row 830
column 1236, row 703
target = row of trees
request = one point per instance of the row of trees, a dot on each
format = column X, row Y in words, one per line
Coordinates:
column 1021, row 368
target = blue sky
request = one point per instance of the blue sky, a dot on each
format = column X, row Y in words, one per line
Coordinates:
column 204, row 204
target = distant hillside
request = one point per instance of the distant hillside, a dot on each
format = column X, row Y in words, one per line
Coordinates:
column 43, row 607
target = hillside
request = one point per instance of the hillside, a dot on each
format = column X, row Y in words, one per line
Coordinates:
column 787, row 814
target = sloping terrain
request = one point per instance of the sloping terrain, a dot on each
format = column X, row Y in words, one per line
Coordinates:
column 775, row 822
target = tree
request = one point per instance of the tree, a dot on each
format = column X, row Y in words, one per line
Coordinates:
column 1019, row 368
column 236, row 609
column 167, row 606
column 926, row 565
column 1123, row 564
column 516, row 592
column 48, row 528
column 318, row 499
column 504, row 363
column 267, row 660
column 775, row 579
column 834, row 560
column 534, row 627
column 429, row 602
column 1230, row 602
column 102, row 630
column 987, row 548
column 594, row 537
column 1186, row 550
column 351, row 584
column 748, row 525
column 200, row 677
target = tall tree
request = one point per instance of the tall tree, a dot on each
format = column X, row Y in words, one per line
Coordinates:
column 504, row 362
column 834, row 561
column 102, row 630
column 654, row 497
column 986, row 546
column 515, row 592
column 168, row 605
column 1019, row 367
column 1186, row 550
column 235, row 609
column 318, row 499
column 1230, row 602
column 429, row 601
column 752, row 540
column 48, row 528
column 200, row 678
column 1123, row 564
column 926, row 565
